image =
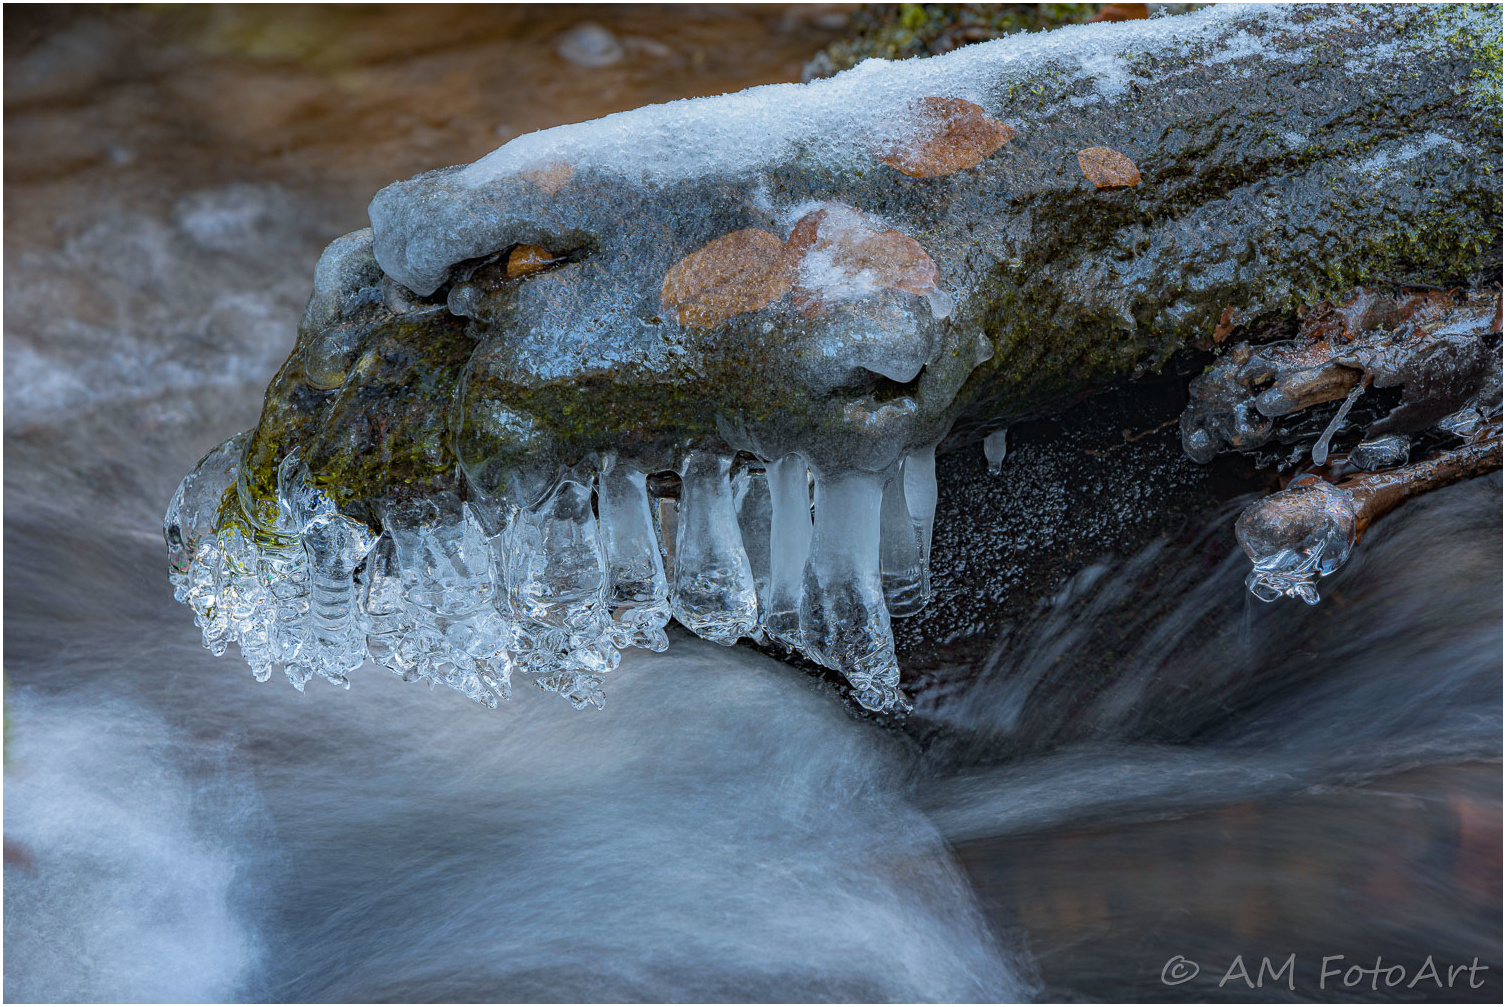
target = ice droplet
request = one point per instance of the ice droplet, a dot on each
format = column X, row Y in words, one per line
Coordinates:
column 994, row 447
column 1296, row 536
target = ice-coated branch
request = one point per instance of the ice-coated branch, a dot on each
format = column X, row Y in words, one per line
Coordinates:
column 1308, row 529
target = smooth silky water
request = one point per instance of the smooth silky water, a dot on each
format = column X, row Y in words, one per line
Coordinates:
column 1250, row 780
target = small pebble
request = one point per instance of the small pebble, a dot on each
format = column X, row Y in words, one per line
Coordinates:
column 590, row 45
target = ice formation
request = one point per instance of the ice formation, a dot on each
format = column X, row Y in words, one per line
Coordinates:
column 1296, row 536
column 1441, row 348
column 693, row 361
column 470, row 593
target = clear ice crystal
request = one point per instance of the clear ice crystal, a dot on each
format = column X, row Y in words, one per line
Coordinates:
column 713, row 594
column 750, row 493
column 1293, row 537
column 455, row 588
column 843, row 620
column 638, row 591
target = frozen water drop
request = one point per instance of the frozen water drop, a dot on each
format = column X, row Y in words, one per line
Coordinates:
column 1296, row 536
column 994, row 447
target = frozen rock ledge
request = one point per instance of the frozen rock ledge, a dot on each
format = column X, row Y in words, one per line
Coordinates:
column 693, row 361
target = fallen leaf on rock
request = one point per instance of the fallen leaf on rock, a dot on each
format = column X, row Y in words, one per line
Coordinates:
column 952, row 135
column 1226, row 323
column 742, row 271
column 839, row 255
column 1107, row 168
column 551, row 178
column 526, row 259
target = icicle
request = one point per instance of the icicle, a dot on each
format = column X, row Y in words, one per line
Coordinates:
column 466, row 592
column 249, row 605
column 190, row 517
column 194, row 554
column 906, row 582
column 383, row 606
column 713, row 593
column 335, row 545
column 843, row 620
column 750, row 495
column 994, row 448
column 442, row 552
column 789, row 545
column 638, row 592
column 557, row 588
column 1320, row 449
column 919, row 473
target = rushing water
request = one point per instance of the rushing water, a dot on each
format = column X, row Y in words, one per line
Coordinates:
column 1241, row 779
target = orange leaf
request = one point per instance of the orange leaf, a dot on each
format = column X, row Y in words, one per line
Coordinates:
column 1107, row 168
column 742, row 271
column 551, row 177
column 526, row 259
column 1226, row 323
column 953, row 135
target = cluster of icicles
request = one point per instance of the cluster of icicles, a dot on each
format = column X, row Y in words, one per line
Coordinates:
column 470, row 593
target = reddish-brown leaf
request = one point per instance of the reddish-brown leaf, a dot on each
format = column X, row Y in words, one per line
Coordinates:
column 1107, row 168
column 952, row 135
column 742, row 271
column 1226, row 323
column 856, row 253
column 1121, row 12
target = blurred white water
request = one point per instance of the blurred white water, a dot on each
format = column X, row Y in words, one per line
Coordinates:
column 123, row 851
column 721, row 831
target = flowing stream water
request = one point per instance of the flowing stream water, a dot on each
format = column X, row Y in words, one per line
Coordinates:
column 1249, row 780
